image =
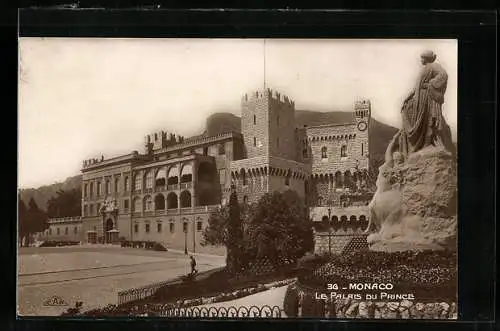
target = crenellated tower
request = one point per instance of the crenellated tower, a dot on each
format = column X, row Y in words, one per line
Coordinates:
column 268, row 124
column 362, row 112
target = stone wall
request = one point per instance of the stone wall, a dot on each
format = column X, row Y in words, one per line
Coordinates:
column 359, row 309
column 333, row 137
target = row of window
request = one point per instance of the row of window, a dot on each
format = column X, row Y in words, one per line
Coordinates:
column 159, row 227
column 277, row 119
column 88, row 210
column 66, row 231
column 343, row 151
column 162, row 178
column 88, row 189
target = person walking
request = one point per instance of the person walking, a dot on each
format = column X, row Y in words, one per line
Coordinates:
column 193, row 265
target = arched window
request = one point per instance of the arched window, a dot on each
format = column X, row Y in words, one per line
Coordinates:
column 338, row 179
column 323, row 152
column 98, row 188
column 173, row 176
column 254, row 119
column 108, row 187
column 91, row 190
column 187, row 173
column 185, row 199
column 85, row 210
column 343, row 151
column 149, row 180
column 137, row 182
column 117, row 184
column 85, row 190
column 91, row 210
column 148, row 203
column 160, row 202
column 172, row 201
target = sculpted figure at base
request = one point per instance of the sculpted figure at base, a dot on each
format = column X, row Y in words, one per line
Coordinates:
column 414, row 206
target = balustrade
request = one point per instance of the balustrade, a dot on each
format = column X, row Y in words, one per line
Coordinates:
column 186, row 185
column 173, row 187
column 174, row 211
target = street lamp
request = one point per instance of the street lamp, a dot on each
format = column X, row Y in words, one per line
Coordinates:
column 185, row 237
column 329, row 231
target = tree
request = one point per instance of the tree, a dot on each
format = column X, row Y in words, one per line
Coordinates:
column 216, row 231
column 31, row 220
column 279, row 228
column 226, row 227
column 65, row 204
column 234, row 235
column 22, row 224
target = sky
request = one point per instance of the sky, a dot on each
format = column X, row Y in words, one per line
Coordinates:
column 80, row 98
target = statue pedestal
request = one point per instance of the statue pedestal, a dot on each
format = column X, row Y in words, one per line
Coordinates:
column 420, row 212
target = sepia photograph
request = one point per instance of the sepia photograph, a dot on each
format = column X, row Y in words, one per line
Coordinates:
column 237, row 178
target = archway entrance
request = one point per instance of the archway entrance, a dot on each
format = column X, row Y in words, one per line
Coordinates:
column 111, row 233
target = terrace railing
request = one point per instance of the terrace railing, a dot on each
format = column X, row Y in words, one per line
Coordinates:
column 220, row 312
column 142, row 292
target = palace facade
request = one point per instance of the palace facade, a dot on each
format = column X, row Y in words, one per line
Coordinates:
column 166, row 192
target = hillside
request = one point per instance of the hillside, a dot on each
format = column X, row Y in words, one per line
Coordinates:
column 222, row 122
column 380, row 135
column 44, row 193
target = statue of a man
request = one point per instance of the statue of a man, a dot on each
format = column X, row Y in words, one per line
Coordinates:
column 423, row 122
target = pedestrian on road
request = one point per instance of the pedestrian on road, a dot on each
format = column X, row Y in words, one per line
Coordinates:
column 193, row 265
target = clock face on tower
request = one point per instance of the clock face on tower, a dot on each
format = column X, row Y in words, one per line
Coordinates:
column 362, row 126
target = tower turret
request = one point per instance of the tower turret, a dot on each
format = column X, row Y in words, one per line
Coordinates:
column 362, row 114
column 268, row 124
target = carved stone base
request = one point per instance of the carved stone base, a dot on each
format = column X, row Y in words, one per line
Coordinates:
column 420, row 212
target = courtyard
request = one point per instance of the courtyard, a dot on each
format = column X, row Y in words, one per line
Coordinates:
column 93, row 274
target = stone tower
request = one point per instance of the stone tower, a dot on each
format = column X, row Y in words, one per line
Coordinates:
column 268, row 124
column 362, row 112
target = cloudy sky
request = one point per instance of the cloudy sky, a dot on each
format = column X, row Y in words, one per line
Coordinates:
column 80, row 98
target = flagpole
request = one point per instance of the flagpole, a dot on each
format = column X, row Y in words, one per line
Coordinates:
column 264, row 64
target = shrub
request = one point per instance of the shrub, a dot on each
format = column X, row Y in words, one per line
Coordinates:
column 308, row 305
column 159, row 247
column 291, row 301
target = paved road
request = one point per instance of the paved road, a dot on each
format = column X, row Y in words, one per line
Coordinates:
column 94, row 276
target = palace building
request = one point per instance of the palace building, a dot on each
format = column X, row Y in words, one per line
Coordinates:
column 166, row 192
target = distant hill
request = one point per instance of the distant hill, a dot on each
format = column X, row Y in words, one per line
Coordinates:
column 44, row 193
column 380, row 135
column 222, row 122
